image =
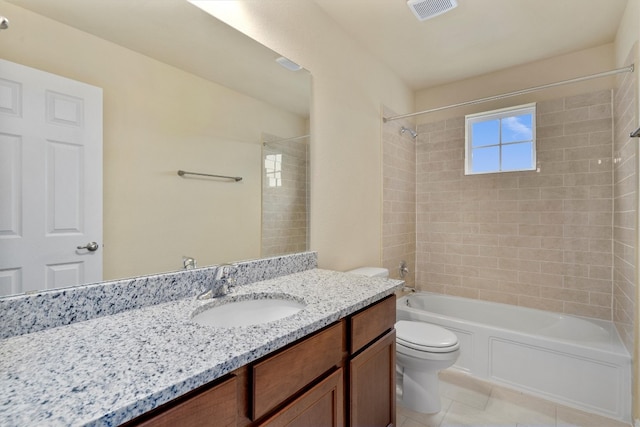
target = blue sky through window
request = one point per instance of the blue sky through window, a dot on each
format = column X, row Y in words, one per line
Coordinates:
column 517, row 128
column 502, row 141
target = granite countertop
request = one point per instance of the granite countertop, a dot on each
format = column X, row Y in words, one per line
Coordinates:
column 108, row 370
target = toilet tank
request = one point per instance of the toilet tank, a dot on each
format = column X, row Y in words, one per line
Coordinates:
column 371, row 272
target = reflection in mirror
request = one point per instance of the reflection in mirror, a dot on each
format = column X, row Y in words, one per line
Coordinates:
column 285, row 195
column 181, row 91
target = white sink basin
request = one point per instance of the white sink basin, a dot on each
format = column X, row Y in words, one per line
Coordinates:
column 247, row 312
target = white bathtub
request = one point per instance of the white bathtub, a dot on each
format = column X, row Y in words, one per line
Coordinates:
column 574, row 361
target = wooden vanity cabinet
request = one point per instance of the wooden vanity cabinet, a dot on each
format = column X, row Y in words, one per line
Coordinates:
column 372, row 366
column 212, row 404
column 372, row 384
column 371, row 323
column 322, row 405
column 341, row 375
column 278, row 377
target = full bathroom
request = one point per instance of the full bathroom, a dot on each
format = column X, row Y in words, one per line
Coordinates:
column 369, row 157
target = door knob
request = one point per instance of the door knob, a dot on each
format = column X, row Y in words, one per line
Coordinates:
column 91, row 246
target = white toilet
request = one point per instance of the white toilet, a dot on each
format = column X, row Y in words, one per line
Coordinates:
column 422, row 350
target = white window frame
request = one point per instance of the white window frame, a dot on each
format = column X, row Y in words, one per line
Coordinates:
column 273, row 169
column 471, row 119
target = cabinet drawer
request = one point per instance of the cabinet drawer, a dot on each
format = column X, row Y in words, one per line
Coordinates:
column 280, row 376
column 213, row 407
column 372, row 322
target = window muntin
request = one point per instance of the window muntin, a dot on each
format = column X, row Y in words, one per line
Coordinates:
column 501, row 140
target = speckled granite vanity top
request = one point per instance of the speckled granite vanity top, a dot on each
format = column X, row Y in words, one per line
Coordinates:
column 107, row 370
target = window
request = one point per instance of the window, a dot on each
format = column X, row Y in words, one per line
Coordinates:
column 273, row 169
column 501, row 140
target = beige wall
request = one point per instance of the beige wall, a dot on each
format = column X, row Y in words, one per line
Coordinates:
column 399, row 199
column 285, row 203
column 349, row 88
column 539, row 239
column 158, row 119
column 628, row 32
column 577, row 64
column 625, row 219
column 628, row 49
column 524, row 274
column 614, row 301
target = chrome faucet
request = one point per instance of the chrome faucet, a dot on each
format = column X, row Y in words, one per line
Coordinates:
column 404, row 270
column 213, row 290
column 189, row 263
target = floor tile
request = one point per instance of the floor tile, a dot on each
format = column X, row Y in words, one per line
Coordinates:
column 471, row 402
column 460, row 414
column 420, row 419
column 521, row 408
column 461, row 388
column 569, row 417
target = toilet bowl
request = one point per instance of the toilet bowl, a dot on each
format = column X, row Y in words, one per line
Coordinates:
column 422, row 350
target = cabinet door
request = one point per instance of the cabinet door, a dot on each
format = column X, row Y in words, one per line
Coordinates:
column 322, row 405
column 213, row 407
column 278, row 377
column 372, row 384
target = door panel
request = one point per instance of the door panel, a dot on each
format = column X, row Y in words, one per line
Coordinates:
column 11, row 194
column 50, row 180
column 64, row 192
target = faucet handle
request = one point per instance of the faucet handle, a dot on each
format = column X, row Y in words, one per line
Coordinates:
column 223, row 271
column 189, row 262
column 222, row 274
column 220, row 283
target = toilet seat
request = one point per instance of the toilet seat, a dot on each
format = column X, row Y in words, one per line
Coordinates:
column 425, row 337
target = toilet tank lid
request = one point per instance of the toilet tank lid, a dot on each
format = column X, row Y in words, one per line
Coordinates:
column 370, row 271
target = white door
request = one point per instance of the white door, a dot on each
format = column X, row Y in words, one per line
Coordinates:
column 50, row 180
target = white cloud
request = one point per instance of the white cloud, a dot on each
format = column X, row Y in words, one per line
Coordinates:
column 515, row 125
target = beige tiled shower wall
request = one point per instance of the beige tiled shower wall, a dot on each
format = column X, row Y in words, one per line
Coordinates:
column 399, row 199
column 284, row 207
column 625, row 179
column 537, row 239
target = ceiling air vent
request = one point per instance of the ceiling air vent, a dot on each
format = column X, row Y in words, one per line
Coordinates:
column 427, row 9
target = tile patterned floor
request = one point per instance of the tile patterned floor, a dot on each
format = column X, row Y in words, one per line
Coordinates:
column 469, row 402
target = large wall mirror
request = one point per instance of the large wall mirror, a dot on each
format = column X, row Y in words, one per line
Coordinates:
column 180, row 91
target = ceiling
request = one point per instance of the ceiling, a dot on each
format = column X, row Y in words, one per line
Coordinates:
column 179, row 34
column 477, row 37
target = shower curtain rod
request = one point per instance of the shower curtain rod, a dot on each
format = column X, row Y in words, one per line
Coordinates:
column 628, row 69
